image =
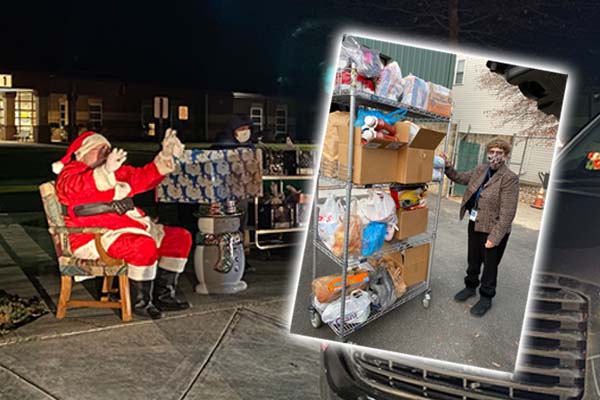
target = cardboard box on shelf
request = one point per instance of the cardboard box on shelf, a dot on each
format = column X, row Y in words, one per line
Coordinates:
column 415, row 263
column 330, row 150
column 411, row 223
column 415, row 161
column 381, row 143
column 370, row 165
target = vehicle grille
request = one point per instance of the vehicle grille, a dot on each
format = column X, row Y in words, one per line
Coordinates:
column 554, row 349
column 551, row 367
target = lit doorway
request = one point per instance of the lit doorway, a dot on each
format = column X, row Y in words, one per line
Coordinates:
column 25, row 115
column 18, row 115
column 2, row 118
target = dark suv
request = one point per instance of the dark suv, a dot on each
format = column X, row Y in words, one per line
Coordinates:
column 559, row 355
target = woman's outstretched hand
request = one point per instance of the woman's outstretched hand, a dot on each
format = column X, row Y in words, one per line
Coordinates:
column 447, row 161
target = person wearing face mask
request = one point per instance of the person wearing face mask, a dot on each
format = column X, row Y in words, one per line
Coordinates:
column 97, row 189
column 238, row 134
column 490, row 201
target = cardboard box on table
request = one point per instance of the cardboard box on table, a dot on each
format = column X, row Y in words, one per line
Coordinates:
column 415, row 264
column 415, row 161
column 411, row 223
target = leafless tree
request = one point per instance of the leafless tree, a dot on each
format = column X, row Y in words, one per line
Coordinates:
column 482, row 23
column 516, row 108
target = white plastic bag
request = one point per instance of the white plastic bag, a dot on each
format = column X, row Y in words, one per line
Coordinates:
column 379, row 206
column 390, row 84
column 438, row 162
column 392, row 226
column 416, row 92
column 358, row 307
column 329, row 218
column 320, row 307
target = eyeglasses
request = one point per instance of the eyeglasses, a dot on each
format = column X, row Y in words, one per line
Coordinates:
column 498, row 152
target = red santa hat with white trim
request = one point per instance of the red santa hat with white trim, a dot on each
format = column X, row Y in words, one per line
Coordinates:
column 80, row 146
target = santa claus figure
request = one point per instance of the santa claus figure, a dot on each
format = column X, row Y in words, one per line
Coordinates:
column 97, row 190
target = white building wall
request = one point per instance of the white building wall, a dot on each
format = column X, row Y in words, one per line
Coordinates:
column 538, row 158
column 472, row 103
column 471, row 108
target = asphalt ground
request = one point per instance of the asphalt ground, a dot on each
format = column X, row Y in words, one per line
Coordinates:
column 446, row 330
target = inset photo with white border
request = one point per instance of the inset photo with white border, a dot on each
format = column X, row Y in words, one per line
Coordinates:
column 451, row 154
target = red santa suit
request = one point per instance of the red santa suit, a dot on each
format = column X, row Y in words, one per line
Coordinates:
column 133, row 236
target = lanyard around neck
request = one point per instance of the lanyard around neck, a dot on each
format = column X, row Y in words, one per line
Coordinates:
column 488, row 175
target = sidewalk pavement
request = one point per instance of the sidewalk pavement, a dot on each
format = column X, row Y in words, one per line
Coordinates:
column 224, row 347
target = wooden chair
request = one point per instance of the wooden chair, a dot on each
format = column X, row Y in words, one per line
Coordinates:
column 71, row 266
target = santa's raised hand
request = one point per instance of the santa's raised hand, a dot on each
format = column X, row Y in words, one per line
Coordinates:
column 115, row 159
column 171, row 145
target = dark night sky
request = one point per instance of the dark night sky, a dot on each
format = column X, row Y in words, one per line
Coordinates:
column 270, row 46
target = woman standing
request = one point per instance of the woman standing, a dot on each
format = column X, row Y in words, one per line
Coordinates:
column 490, row 200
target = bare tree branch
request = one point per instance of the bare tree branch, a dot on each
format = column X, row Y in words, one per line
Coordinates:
column 516, row 109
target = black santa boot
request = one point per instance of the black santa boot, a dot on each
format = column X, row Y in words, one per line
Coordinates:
column 142, row 300
column 164, row 294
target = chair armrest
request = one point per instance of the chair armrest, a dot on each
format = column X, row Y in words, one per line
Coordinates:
column 106, row 259
column 97, row 231
column 78, row 229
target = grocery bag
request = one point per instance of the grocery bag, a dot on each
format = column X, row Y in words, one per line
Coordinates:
column 328, row 288
column 395, row 270
column 357, row 309
column 416, row 92
column 379, row 206
column 373, row 238
column 330, row 215
column 354, row 234
column 367, row 60
column 354, row 237
column 382, row 289
column 389, row 83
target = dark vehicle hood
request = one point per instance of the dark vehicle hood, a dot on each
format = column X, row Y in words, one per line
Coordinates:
column 544, row 87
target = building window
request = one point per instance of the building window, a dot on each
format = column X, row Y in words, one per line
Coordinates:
column 95, row 108
column 63, row 113
column 256, row 114
column 460, row 72
column 281, row 119
column 183, row 113
column 25, row 115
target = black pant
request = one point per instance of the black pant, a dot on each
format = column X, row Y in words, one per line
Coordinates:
column 490, row 258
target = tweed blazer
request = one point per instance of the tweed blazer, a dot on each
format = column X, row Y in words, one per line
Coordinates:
column 498, row 200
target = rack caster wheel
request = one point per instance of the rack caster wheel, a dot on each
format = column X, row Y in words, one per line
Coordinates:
column 315, row 318
column 426, row 300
